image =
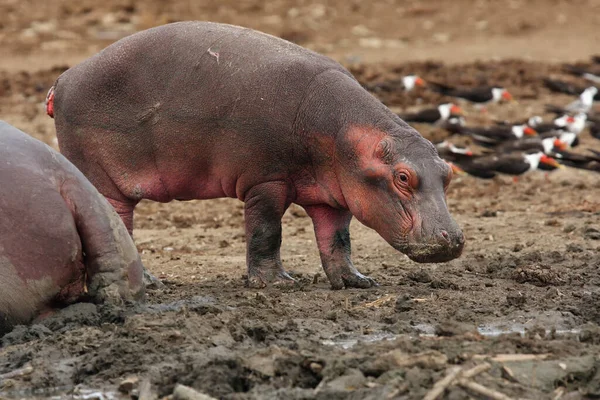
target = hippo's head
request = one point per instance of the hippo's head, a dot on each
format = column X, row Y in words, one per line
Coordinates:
column 396, row 183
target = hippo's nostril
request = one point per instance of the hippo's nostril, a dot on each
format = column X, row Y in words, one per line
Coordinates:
column 445, row 235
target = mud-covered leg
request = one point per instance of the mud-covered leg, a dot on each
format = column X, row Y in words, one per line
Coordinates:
column 265, row 204
column 332, row 230
column 113, row 266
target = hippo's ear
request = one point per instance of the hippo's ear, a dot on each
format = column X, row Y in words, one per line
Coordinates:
column 383, row 151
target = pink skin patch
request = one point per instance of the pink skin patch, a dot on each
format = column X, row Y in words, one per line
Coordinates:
column 50, row 102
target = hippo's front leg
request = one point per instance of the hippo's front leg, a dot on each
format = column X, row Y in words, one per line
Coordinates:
column 332, row 230
column 265, row 204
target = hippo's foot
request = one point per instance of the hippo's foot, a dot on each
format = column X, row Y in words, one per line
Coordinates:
column 280, row 279
column 152, row 282
column 347, row 277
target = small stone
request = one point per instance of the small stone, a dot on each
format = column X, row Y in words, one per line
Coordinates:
column 404, row 303
column 370, row 42
column 441, row 37
column 592, row 233
column 352, row 379
column 316, row 367
column 569, row 228
column 552, row 222
column 223, row 244
column 489, row 214
column 515, row 299
column 127, row 384
column 420, row 276
column 360, row 30
column 518, row 247
column 574, row 248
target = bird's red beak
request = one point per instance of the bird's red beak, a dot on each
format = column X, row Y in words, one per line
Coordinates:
column 560, row 145
column 549, row 161
column 529, row 131
column 456, row 169
column 570, row 119
column 469, row 153
column 419, row 81
column 506, row 95
column 455, row 109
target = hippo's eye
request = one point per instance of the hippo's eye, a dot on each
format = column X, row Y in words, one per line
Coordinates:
column 403, row 180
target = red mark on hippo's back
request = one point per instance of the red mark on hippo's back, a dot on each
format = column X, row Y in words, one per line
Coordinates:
column 50, row 102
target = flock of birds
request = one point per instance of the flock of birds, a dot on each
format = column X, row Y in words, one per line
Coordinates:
column 518, row 147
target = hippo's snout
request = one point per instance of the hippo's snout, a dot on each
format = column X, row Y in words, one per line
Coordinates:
column 440, row 246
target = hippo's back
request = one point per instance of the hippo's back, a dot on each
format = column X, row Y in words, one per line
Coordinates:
column 190, row 72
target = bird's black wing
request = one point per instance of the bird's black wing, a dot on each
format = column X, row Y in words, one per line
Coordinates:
column 476, row 95
column 562, row 86
column 551, row 108
column 429, row 115
column 524, row 144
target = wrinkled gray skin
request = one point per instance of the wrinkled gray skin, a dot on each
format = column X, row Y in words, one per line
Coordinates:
column 198, row 110
column 60, row 240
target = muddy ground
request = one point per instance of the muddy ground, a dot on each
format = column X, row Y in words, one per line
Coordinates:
column 527, row 283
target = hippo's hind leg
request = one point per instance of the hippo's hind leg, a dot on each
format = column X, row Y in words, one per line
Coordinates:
column 125, row 208
column 332, row 230
column 113, row 266
column 265, row 205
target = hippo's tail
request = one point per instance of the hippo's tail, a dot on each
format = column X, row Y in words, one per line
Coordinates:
column 50, row 102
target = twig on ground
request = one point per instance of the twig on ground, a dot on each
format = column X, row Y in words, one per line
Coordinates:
column 26, row 370
column 476, row 370
column 182, row 392
column 443, row 384
column 480, row 389
column 511, row 357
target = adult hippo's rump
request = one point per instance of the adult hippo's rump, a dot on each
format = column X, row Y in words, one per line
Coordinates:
column 60, row 240
column 199, row 110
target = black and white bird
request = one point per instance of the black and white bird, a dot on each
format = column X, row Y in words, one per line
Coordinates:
column 580, row 161
column 409, row 82
column 531, row 121
column 515, row 164
column 480, row 95
column 494, row 135
column 434, row 116
column 559, row 86
column 585, row 101
column 592, row 75
column 545, row 145
column 450, row 152
column 565, row 122
column 406, row 83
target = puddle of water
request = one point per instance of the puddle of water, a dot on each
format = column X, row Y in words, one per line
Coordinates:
column 497, row 330
column 347, row 343
column 61, row 392
column 428, row 330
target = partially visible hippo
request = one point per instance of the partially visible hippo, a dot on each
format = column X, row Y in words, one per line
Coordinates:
column 200, row 110
column 60, row 240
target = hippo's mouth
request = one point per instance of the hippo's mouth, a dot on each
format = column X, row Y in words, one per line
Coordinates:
column 431, row 252
column 434, row 253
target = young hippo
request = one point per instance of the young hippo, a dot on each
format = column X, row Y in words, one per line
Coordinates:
column 60, row 240
column 200, row 110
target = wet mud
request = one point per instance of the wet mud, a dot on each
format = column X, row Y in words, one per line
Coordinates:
column 522, row 301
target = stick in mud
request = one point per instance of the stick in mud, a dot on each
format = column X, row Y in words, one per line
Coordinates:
column 480, row 389
column 450, row 379
column 443, row 384
column 183, row 392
